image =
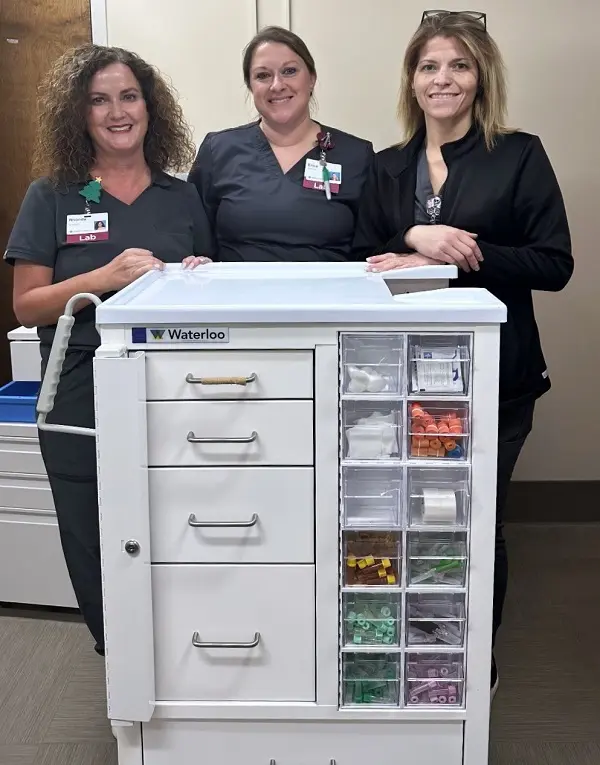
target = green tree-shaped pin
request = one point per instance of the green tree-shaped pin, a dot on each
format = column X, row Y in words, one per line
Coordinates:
column 91, row 191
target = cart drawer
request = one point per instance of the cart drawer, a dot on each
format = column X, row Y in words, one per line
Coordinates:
column 239, row 433
column 268, row 610
column 32, row 565
column 304, row 743
column 28, row 492
column 259, row 374
column 20, row 449
column 250, row 515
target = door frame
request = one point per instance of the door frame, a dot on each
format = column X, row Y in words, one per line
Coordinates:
column 99, row 25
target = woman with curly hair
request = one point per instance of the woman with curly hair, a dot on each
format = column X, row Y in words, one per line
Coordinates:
column 103, row 213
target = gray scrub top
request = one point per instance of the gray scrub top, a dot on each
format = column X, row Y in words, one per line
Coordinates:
column 167, row 219
column 260, row 213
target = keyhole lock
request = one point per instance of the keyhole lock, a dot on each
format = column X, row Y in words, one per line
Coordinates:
column 132, row 547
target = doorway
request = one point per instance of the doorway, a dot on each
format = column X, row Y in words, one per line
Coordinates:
column 33, row 33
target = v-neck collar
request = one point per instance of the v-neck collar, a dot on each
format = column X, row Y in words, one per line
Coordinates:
column 157, row 178
column 266, row 151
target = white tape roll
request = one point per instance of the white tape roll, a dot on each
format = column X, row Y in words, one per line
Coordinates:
column 439, row 506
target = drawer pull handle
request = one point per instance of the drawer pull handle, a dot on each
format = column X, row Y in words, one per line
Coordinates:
column 189, row 378
column 223, row 524
column 197, row 643
column 193, row 439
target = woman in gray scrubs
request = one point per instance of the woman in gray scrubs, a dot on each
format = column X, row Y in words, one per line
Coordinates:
column 285, row 187
column 103, row 213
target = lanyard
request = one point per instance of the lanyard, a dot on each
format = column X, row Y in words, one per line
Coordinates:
column 325, row 143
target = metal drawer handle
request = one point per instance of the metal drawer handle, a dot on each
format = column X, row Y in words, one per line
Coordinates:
column 189, row 378
column 193, row 439
column 197, row 643
column 223, row 524
column 274, row 762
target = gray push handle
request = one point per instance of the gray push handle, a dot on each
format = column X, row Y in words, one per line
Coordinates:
column 56, row 359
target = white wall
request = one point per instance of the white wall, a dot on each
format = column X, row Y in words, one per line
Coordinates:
column 549, row 49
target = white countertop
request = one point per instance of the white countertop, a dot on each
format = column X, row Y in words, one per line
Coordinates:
column 273, row 293
column 23, row 333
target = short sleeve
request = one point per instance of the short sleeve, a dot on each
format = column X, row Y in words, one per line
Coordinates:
column 203, row 234
column 201, row 176
column 33, row 237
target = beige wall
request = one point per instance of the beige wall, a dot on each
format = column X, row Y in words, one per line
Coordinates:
column 550, row 51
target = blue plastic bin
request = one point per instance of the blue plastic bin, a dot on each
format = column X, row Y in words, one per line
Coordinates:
column 17, row 401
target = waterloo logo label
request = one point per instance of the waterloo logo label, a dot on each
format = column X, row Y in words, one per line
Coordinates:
column 147, row 335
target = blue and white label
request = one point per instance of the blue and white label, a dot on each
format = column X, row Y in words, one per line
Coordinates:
column 165, row 335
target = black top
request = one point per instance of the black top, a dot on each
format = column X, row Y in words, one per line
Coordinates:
column 511, row 199
column 167, row 219
column 259, row 213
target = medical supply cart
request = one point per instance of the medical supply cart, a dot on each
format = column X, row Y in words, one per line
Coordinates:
column 297, row 501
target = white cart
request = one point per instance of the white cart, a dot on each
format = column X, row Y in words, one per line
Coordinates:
column 297, row 500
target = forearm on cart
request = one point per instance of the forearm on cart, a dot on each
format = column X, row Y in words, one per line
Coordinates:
column 40, row 306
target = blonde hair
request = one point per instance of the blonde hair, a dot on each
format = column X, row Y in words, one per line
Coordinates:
column 489, row 107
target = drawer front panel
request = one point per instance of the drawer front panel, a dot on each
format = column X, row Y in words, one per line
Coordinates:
column 272, row 507
column 32, row 565
column 20, row 449
column 21, row 460
column 263, row 433
column 269, row 610
column 210, row 375
column 304, row 743
column 25, row 492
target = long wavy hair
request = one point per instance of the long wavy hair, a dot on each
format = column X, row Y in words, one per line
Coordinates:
column 64, row 150
column 490, row 106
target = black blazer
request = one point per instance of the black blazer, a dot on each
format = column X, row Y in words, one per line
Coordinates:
column 510, row 198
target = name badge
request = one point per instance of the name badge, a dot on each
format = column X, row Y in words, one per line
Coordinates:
column 313, row 176
column 87, row 228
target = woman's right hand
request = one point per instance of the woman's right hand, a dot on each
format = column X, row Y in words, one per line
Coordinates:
column 446, row 243
column 126, row 268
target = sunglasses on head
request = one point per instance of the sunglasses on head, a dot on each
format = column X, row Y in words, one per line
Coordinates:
column 475, row 15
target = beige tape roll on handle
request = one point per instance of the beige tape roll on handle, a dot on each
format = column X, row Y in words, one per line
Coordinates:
column 189, row 378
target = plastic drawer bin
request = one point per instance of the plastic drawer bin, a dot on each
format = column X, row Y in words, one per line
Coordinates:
column 18, row 400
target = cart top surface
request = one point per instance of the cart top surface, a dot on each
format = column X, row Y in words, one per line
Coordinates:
column 307, row 293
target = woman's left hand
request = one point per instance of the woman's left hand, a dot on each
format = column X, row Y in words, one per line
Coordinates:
column 195, row 260
column 391, row 260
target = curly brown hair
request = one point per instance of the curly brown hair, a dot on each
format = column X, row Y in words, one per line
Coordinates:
column 64, row 150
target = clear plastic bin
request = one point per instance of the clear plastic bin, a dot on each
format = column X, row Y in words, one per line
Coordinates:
column 435, row 619
column 439, row 364
column 371, row 619
column 372, row 496
column 372, row 364
column 437, row 559
column 371, row 431
column 438, row 496
column 438, row 430
column 371, row 679
column 434, row 679
column 372, row 559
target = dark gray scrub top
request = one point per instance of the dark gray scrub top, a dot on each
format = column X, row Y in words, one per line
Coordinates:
column 428, row 206
column 167, row 219
column 260, row 213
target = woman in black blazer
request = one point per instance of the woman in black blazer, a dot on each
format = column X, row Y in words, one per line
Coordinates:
column 464, row 189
